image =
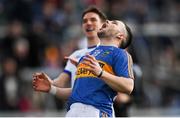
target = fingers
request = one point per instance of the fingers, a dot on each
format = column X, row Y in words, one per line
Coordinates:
column 34, row 87
column 36, row 74
column 89, row 64
column 73, row 60
column 90, row 61
column 86, row 59
column 66, row 57
column 44, row 76
column 40, row 75
column 34, row 84
column 89, row 69
column 37, row 84
column 91, row 57
column 37, row 77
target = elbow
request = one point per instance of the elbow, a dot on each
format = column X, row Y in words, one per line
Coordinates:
column 130, row 87
column 127, row 86
column 130, row 90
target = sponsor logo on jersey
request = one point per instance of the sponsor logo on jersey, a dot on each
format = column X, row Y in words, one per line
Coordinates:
column 83, row 72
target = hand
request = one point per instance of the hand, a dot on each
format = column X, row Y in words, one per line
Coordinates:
column 41, row 82
column 73, row 60
column 122, row 98
column 92, row 64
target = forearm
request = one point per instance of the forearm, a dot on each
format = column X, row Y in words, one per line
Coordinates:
column 63, row 93
column 63, row 80
column 119, row 84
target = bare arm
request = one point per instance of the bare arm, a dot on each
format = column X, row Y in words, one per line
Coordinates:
column 63, row 93
column 119, row 84
column 62, row 81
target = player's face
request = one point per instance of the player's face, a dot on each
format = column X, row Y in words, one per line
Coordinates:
column 111, row 29
column 91, row 24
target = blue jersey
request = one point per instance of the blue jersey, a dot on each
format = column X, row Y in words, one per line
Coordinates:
column 89, row 89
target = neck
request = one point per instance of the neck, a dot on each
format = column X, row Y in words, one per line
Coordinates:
column 109, row 42
column 93, row 41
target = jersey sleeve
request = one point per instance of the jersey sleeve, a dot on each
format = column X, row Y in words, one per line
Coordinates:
column 123, row 65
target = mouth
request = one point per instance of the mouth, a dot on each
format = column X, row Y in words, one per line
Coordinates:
column 89, row 29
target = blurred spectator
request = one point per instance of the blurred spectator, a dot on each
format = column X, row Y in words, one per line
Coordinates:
column 38, row 41
column 9, row 86
column 19, row 9
column 53, row 19
column 15, row 44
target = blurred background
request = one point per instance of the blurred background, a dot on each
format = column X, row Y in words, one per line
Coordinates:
column 35, row 35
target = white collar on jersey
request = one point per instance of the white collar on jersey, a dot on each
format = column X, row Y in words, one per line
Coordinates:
column 94, row 46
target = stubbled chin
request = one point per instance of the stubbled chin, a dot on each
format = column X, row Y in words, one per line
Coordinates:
column 90, row 34
column 102, row 29
column 101, row 34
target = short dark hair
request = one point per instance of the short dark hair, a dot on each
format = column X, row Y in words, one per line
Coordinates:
column 127, row 42
column 94, row 9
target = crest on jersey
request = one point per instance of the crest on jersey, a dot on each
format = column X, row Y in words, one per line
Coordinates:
column 96, row 52
column 105, row 53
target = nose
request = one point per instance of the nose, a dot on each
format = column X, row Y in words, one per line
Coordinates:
column 88, row 22
column 107, row 21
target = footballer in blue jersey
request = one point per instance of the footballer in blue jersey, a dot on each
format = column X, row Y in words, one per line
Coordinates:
column 106, row 71
column 91, row 90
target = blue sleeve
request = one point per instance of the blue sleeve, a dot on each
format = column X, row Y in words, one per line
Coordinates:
column 121, row 64
column 68, row 72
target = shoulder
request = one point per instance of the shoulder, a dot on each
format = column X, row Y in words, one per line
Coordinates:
column 129, row 55
column 120, row 52
column 78, row 53
column 121, row 55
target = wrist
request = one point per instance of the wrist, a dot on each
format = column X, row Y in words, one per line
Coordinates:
column 53, row 90
column 100, row 74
